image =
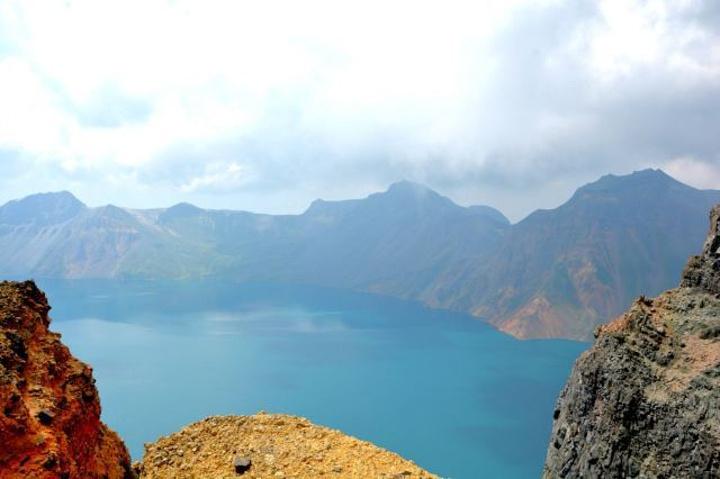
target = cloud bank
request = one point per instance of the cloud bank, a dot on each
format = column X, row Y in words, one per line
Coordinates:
column 268, row 105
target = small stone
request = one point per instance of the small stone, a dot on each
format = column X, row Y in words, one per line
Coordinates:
column 241, row 464
column 45, row 416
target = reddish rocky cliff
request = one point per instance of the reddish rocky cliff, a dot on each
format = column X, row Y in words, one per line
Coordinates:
column 50, row 419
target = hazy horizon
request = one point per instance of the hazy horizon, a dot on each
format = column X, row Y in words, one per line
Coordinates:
column 305, row 207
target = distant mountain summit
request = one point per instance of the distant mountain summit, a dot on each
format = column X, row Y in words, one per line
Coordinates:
column 403, row 199
column 557, row 273
column 181, row 210
column 41, row 209
column 562, row 272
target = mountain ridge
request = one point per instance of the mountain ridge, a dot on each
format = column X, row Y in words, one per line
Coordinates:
column 562, row 272
column 557, row 273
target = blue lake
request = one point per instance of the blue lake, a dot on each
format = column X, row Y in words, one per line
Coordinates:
column 440, row 388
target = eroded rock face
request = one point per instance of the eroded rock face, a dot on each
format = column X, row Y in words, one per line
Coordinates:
column 703, row 271
column 49, row 407
column 644, row 401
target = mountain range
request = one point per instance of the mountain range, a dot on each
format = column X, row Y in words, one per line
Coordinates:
column 557, row 273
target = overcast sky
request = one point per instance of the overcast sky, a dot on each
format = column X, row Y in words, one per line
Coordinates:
column 267, row 105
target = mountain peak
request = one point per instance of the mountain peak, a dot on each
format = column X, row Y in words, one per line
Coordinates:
column 410, row 196
column 402, row 194
column 180, row 210
column 42, row 208
column 187, row 208
column 51, row 196
column 632, row 184
column 410, row 188
column 648, row 175
column 400, row 184
column 652, row 173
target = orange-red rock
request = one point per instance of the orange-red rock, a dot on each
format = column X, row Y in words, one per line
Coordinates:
column 49, row 407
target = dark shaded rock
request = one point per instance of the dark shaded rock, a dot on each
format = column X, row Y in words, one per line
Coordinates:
column 703, row 271
column 45, row 417
column 710, row 332
column 241, row 464
column 644, row 401
column 50, row 461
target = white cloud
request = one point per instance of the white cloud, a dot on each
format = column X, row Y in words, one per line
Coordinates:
column 323, row 97
column 698, row 173
column 219, row 177
column 632, row 36
column 30, row 119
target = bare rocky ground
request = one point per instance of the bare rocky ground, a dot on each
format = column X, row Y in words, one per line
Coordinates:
column 644, row 401
column 269, row 446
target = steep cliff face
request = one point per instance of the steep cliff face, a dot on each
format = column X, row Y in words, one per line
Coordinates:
column 50, row 411
column 644, row 401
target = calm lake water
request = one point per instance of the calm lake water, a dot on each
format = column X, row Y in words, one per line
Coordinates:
column 440, row 388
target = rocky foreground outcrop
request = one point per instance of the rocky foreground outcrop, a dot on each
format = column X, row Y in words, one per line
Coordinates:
column 49, row 407
column 269, row 446
column 644, row 401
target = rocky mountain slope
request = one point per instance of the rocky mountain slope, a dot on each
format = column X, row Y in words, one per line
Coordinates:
column 269, row 446
column 563, row 272
column 392, row 242
column 50, row 421
column 644, row 401
column 557, row 273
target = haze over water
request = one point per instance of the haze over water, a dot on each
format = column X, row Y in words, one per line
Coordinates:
column 442, row 389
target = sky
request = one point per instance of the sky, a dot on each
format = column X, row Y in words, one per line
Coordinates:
column 265, row 106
